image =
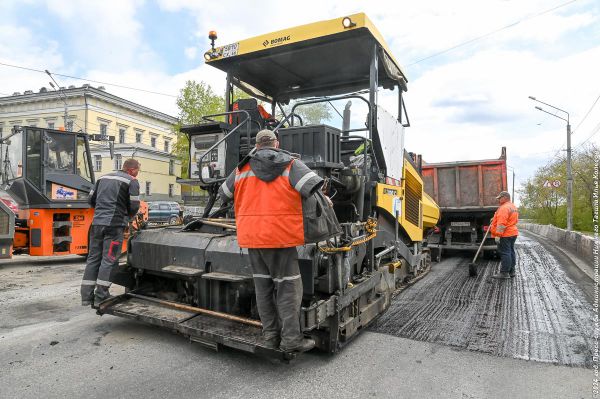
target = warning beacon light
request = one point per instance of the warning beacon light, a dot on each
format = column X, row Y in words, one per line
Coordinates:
column 212, row 53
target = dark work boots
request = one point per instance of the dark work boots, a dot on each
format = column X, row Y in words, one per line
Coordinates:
column 304, row 346
column 272, row 343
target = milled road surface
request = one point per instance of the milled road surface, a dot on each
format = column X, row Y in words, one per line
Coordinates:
column 543, row 314
column 51, row 347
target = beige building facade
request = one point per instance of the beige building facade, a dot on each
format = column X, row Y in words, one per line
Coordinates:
column 139, row 132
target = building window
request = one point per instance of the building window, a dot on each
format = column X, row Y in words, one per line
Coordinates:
column 118, row 162
column 167, row 146
column 171, row 167
column 153, row 141
column 121, row 135
column 171, row 188
column 50, row 125
column 97, row 163
column 148, row 188
column 70, row 126
column 103, row 129
column 138, row 137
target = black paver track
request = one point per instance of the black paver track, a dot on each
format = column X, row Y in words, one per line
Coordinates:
column 540, row 315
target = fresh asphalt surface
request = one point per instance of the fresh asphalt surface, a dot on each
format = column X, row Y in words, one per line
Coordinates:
column 446, row 336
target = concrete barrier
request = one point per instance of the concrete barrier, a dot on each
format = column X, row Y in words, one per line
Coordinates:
column 579, row 243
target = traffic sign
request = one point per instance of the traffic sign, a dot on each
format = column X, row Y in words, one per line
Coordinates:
column 552, row 184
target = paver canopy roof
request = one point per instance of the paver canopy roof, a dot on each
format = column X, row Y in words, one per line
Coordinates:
column 322, row 58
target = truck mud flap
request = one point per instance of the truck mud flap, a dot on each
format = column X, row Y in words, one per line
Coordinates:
column 211, row 331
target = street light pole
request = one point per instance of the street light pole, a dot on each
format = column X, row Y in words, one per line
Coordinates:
column 569, row 181
column 513, row 186
column 64, row 98
column 569, row 171
column 513, row 181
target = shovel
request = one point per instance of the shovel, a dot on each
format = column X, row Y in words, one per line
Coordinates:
column 472, row 265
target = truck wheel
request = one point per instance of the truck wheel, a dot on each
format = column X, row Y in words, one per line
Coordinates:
column 173, row 220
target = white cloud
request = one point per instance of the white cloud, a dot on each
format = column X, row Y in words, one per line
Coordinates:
column 464, row 105
column 190, row 52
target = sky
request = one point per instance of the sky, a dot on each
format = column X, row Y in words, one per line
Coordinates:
column 471, row 64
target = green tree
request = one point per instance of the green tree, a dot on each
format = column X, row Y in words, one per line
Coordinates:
column 549, row 205
column 195, row 100
column 311, row 114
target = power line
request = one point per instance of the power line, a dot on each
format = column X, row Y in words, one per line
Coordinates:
column 586, row 115
column 594, row 132
column 88, row 80
column 492, row 32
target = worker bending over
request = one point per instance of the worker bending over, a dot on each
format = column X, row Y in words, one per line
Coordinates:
column 116, row 199
column 504, row 229
column 267, row 192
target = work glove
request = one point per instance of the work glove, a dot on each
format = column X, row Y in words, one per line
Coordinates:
column 497, row 240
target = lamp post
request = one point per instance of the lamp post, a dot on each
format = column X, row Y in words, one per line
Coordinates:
column 63, row 96
column 513, row 183
column 569, row 172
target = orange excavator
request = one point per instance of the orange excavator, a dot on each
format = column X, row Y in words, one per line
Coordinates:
column 47, row 176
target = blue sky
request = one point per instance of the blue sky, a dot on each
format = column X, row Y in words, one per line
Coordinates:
column 463, row 104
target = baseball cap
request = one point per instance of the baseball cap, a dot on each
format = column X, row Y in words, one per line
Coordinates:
column 265, row 136
column 503, row 194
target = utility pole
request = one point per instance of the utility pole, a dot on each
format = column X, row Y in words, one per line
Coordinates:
column 512, row 196
column 513, row 186
column 569, row 179
column 569, row 171
column 63, row 96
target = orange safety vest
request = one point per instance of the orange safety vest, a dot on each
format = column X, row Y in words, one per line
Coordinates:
column 505, row 221
column 267, row 214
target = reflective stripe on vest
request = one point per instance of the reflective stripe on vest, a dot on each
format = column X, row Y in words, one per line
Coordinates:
column 267, row 214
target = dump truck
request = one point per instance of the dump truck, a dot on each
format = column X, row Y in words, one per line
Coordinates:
column 466, row 193
column 197, row 281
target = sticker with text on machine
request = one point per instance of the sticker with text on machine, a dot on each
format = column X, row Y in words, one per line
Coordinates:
column 397, row 206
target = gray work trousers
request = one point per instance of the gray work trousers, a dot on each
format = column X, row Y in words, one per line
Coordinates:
column 103, row 254
column 278, row 289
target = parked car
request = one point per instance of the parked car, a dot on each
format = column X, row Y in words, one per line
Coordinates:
column 164, row 212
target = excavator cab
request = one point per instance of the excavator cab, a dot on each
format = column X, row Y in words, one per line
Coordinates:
column 49, row 175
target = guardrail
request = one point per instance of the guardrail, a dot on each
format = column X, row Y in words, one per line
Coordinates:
column 579, row 243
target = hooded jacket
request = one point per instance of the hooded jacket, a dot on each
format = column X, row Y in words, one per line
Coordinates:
column 267, row 193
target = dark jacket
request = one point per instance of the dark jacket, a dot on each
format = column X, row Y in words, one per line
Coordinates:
column 116, row 199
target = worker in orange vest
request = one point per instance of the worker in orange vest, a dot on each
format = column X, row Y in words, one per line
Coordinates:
column 504, row 229
column 267, row 193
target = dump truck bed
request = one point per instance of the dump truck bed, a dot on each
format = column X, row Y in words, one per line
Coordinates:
column 466, row 185
column 466, row 194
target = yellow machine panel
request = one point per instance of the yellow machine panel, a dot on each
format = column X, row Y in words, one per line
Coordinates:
column 417, row 211
column 299, row 34
column 431, row 211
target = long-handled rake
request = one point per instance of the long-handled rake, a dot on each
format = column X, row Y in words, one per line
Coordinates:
column 472, row 265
